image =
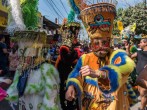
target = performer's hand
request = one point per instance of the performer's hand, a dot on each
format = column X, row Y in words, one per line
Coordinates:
column 87, row 71
column 70, row 94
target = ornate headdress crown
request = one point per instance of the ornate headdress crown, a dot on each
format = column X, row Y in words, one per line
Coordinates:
column 97, row 17
column 70, row 29
column 67, row 41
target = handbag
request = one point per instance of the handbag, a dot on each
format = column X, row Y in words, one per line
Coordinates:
column 23, row 78
column 22, row 82
column 142, row 78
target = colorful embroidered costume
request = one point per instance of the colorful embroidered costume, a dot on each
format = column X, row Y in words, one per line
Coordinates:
column 41, row 89
column 36, row 82
column 67, row 58
column 101, row 92
column 108, row 91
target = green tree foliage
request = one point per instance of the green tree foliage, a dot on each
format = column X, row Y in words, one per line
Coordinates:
column 30, row 10
column 135, row 14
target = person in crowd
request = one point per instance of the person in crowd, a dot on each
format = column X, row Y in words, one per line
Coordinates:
column 13, row 60
column 3, row 56
column 36, row 82
column 127, row 40
column 67, row 59
column 5, row 79
column 65, row 63
column 78, row 49
column 55, row 55
column 141, row 64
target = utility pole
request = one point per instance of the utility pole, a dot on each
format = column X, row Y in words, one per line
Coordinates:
column 144, row 4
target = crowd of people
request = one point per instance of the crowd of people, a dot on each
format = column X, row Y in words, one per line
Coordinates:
column 69, row 60
column 72, row 76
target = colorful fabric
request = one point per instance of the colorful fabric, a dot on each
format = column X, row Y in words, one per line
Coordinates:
column 114, row 77
column 103, row 90
column 132, row 94
column 120, row 59
column 133, row 49
column 41, row 92
column 3, row 94
column 13, row 59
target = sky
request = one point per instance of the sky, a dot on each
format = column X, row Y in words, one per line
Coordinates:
column 48, row 7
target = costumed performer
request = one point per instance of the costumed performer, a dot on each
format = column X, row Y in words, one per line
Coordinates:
column 68, row 57
column 99, row 78
column 36, row 82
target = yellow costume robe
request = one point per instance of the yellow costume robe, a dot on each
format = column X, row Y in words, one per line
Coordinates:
column 103, row 94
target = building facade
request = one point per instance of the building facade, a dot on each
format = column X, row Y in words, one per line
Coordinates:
column 3, row 14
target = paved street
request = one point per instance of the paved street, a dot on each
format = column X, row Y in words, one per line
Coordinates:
column 4, row 105
column 135, row 107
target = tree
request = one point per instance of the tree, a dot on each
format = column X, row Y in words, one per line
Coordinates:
column 133, row 14
column 118, row 17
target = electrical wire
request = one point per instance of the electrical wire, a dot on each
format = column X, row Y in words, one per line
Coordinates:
column 57, row 8
column 54, row 9
column 48, row 12
column 51, row 11
column 63, row 7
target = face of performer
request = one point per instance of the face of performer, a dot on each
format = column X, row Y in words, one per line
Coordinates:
column 143, row 44
column 101, row 46
column 26, row 49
